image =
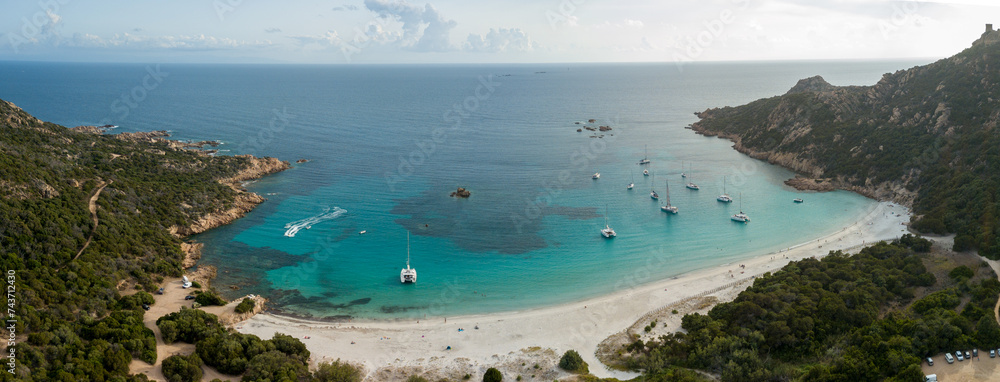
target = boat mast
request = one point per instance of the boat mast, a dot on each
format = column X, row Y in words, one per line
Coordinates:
column 407, row 249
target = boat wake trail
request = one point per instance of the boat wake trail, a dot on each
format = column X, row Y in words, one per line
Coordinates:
column 328, row 214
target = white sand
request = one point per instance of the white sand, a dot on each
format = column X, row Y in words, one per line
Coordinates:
column 580, row 325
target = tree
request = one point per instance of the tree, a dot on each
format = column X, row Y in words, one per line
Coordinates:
column 337, row 371
column 178, row 368
column 492, row 375
column 572, row 362
column 988, row 332
column 275, row 366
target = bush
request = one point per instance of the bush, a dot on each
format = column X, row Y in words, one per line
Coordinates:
column 416, row 378
column 572, row 362
column 275, row 366
column 337, row 371
column 209, row 298
column 961, row 272
column 179, row 368
column 245, row 306
column 492, row 375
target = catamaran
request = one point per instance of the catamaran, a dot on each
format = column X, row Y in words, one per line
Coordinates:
column 408, row 275
column 741, row 217
column 724, row 197
column 668, row 208
column 645, row 159
column 607, row 232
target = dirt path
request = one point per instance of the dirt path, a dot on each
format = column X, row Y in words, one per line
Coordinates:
column 92, row 205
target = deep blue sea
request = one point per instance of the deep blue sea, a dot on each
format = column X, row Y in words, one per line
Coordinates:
column 386, row 145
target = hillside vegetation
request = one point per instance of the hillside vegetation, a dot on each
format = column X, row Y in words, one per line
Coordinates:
column 926, row 137
column 78, row 316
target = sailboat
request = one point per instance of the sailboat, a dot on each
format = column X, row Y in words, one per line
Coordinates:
column 408, row 275
column 596, row 176
column 632, row 184
column 645, row 159
column 668, row 208
column 652, row 192
column 724, row 197
column 741, row 217
column 607, row 232
column 645, row 172
column 692, row 186
column 683, row 175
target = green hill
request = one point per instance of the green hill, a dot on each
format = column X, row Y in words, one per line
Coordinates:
column 72, row 320
column 926, row 137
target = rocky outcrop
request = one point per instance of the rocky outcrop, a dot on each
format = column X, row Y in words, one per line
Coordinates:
column 192, row 253
column 302, row 161
column 461, row 193
column 243, row 203
column 229, row 317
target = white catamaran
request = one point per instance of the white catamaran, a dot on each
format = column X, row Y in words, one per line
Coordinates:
column 741, row 217
column 408, row 275
column 607, row 232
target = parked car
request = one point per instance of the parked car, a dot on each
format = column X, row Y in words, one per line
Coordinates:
column 975, row 353
column 993, row 353
column 189, row 297
column 958, row 354
column 160, row 291
column 931, row 378
column 145, row 306
column 967, row 355
column 930, row 362
column 949, row 358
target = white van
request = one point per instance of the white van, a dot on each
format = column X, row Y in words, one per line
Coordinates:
column 949, row 358
column 931, row 378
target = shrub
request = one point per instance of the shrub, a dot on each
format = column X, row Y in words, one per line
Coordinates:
column 961, row 272
column 245, row 306
column 492, row 375
column 209, row 298
column 572, row 362
column 275, row 366
column 337, row 371
column 179, row 368
column 416, row 378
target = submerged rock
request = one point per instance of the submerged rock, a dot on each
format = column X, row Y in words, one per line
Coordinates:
column 461, row 193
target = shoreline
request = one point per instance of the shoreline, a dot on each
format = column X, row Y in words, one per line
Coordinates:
column 419, row 345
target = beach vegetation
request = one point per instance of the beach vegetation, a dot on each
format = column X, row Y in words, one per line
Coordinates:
column 245, row 306
column 209, row 298
column 865, row 307
column 572, row 362
column 416, row 378
column 337, row 371
column 492, row 375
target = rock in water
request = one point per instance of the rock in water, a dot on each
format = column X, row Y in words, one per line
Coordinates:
column 461, row 193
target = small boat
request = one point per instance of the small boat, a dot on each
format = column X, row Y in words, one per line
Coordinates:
column 645, row 159
column 668, row 208
column 632, row 184
column 741, row 217
column 408, row 275
column 797, row 200
column 363, row 232
column 607, row 232
column 653, row 194
column 596, row 175
column 645, row 172
column 683, row 175
column 724, row 197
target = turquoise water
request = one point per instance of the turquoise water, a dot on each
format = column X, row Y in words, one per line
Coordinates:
column 387, row 144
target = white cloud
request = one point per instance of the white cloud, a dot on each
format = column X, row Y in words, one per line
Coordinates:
column 500, row 40
column 141, row 42
column 424, row 29
column 634, row 23
column 346, row 7
column 272, row 30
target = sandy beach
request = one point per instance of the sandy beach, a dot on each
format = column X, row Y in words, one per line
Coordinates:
column 516, row 341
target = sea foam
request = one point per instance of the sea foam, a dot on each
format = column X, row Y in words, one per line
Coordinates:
column 294, row 227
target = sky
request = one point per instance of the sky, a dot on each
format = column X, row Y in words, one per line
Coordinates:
column 478, row 31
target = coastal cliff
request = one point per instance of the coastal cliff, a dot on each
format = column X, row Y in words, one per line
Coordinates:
column 924, row 137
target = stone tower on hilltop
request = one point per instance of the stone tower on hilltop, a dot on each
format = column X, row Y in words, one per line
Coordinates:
column 990, row 37
column 989, row 28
